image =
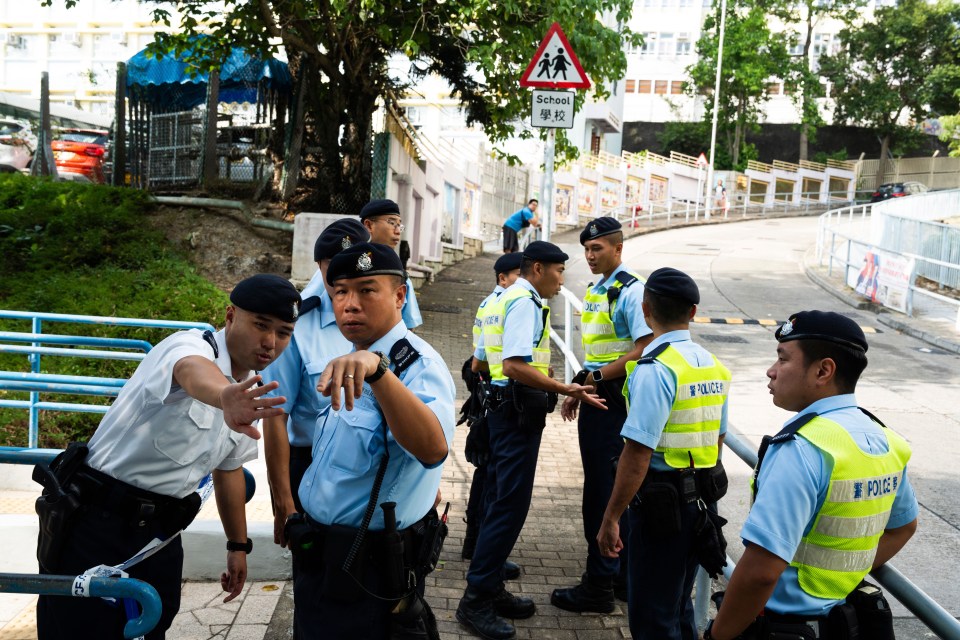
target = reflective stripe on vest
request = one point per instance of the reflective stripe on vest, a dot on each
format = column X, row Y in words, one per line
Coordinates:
column 600, row 341
column 839, row 550
column 693, row 427
column 493, row 323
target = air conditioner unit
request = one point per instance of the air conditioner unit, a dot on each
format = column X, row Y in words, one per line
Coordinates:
column 71, row 37
column 119, row 37
column 15, row 40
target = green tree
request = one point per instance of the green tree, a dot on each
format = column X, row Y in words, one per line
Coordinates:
column 905, row 65
column 339, row 53
column 951, row 131
column 751, row 56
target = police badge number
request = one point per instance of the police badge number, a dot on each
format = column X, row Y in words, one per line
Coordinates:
column 364, row 262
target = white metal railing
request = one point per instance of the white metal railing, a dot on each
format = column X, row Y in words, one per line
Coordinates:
column 570, row 362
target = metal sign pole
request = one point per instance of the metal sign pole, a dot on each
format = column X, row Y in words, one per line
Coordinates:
column 547, row 195
column 716, row 107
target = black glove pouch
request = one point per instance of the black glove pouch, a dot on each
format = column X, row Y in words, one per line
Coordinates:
column 712, row 483
column 660, row 509
column 532, row 406
column 874, row 617
column 477, row 448
column 711, row 545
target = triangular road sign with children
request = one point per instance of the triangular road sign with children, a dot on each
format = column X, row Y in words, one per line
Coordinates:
column 555, row 65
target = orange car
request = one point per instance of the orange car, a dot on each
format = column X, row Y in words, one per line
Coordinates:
column 80, row 152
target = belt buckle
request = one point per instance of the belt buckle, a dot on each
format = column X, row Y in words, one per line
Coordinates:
column 815, row 625
column 145, row 511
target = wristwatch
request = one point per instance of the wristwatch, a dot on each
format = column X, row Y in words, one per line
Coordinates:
column 596, row 375
column 580, row 378
column 381, row 368
column 246, row 547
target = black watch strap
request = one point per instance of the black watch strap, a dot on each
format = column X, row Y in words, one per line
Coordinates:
column 246, row 547
column 381, row 368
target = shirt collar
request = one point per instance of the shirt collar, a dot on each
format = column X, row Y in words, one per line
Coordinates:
column 680, row 335
column 386, row 342
column 497, row 290
column 327, row 316
column 314, row 287
column 613, row 276
column 828, row 404
column 525, row 284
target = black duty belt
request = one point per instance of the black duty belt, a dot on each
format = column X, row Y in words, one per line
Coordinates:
column 373, row 541
column 98, row 489
column 301, row 453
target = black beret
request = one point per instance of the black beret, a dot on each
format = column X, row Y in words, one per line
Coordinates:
column 598, row 228
column 507, row 263
column 672, row 283
column 365, row 259
column 379, row 208
column 823, row 325
column 267, row 294
column 544, row 252
column 339, row 235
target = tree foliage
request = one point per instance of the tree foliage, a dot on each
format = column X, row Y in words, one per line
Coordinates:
column 752, row 55
column 904, row 65
column 340, row 52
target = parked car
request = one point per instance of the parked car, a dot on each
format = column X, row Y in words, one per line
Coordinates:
column 897, row 190
column 80, row 151
column 17, row 144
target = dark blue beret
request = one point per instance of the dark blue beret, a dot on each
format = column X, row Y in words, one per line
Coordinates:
column 544, row 252
column 365, row 259
column 823, row 325
column 267, row 294
column 339, row 235
column 507, row 263
column 379, row 208
column 672, row 283
column 598, row 228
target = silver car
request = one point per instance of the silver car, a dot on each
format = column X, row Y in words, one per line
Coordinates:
column 17, row 144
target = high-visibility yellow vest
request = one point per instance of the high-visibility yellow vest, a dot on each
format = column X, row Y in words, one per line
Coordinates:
column 600, row 341
column 693, row 427
column 478, row 321
column 839, row 550
column 493, row 323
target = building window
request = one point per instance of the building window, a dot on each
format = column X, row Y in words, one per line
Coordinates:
column 667, row 44
column 676, row 87
column 686, row 4
column 643, row 86
column 773, row 88
column 649, row 46
column 631, row 86
column 821, row 44
column 660, row 87
column 796, row 49
column 684, row 45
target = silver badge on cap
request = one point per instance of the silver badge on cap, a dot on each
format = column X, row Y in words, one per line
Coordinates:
column 786, row 328
column 346, row 243
column 364, row 262
column 593, row 229
column 296, row 310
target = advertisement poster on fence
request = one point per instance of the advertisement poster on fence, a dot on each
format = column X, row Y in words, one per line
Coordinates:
column 885, row 278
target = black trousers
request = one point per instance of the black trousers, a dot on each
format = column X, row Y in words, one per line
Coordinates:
column 476, row 503
column 661, row 575
column 601, row 442
column 100, row 537
column 512, row 468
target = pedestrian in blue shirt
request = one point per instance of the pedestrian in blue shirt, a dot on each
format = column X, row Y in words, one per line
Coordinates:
column 677, row 415
column 832, row 500
column 288, row 439
column 366, row 540
column 526, row 217
column 382, row 219
column 515, row 345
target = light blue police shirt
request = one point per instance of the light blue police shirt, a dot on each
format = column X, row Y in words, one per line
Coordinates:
column 788, row 500
column 652, row 392
column 348, row 446
column 411, row 309
column 515, row 221
column 478, row 320
column 627, row 318
column 316, row 341
column 522, row 327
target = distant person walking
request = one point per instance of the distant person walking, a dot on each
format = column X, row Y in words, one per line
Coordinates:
column 560, row 64
column 526, row 217
column 721, row 197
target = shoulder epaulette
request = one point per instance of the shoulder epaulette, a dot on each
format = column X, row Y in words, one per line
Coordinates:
column 402, row 355
column 212, row 341
column 789, row 432
column 652, row 356
column 308, row 305
column 873, row 417
column 626, row 278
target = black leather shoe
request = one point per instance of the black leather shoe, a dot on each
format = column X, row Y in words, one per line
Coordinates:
column 514, row 607
column 590, row 595
column 511, row 570
column 476, row 612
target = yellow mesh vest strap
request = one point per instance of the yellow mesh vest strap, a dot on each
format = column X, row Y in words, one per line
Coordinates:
column 493, row 324
column 839, row 550
column 599, row 336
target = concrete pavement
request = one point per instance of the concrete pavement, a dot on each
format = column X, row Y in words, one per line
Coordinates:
column 551, row 548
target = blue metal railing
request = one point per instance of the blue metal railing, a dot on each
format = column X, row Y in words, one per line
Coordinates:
column 35, row 382
column 138, row 590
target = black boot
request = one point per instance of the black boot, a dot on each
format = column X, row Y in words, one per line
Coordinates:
column 511, row 571
column 592, row 594
column 476, row 612
column 514, row 607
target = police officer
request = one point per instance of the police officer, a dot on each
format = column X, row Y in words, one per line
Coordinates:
column 613, row 332
column 832, row 500
column 382, row 220
column 506, row 270
column 378, row 456
column 190, row 408
column 675, row 424
column 288, row 438
column 516, row 345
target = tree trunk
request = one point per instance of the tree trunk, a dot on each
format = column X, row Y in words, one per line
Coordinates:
column 804, row 141
column 805, row 98
column 882, row 166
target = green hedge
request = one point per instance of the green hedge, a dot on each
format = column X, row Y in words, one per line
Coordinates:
column 87, row 249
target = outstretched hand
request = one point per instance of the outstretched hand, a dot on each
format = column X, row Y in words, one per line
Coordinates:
column 585, row 393
column 243, row 404
column 347, row 373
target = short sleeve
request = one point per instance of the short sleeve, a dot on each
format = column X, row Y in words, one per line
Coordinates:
column 432, row 384
column 159, row 363
column 243, row 452
column 518, row 328
column 652, row 388
column 905, row 508
column 411, row 308
column 629, row 312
